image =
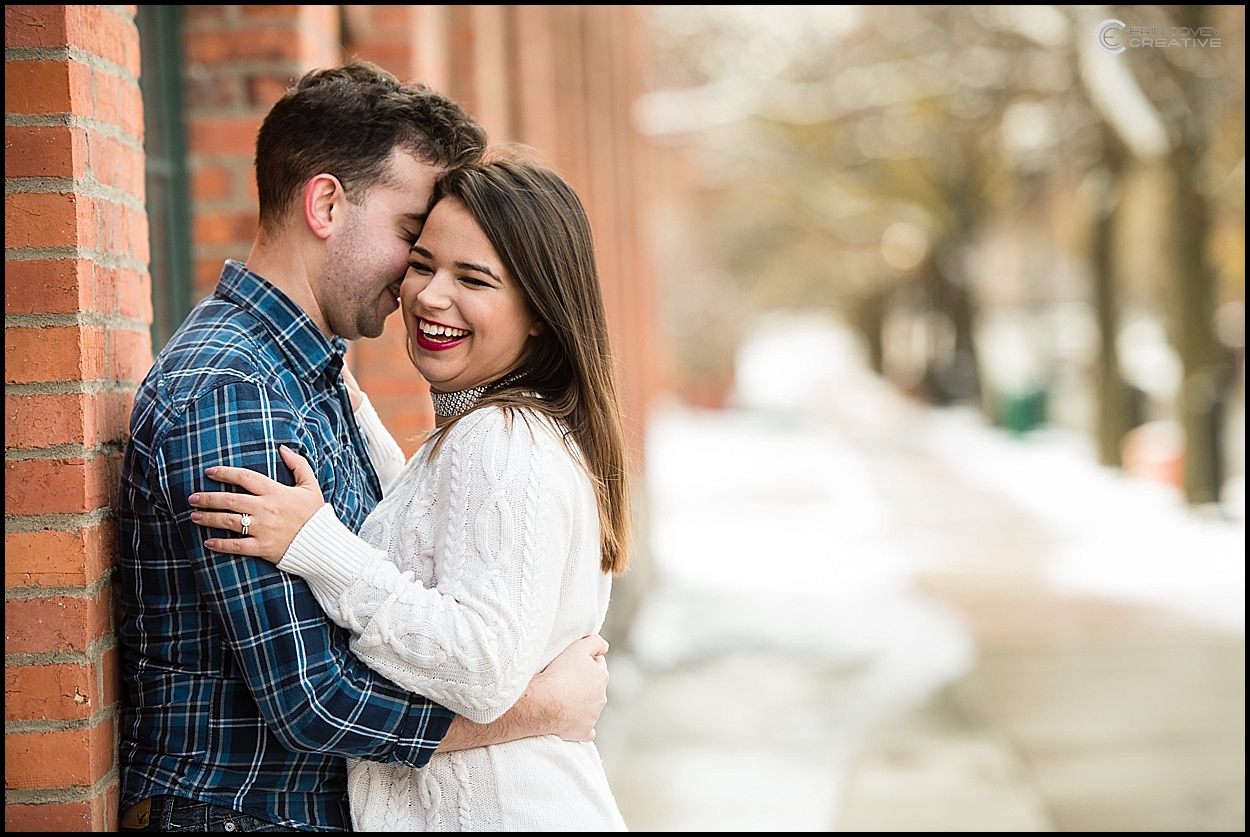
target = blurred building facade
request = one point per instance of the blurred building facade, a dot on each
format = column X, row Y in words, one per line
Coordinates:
column 129, row 139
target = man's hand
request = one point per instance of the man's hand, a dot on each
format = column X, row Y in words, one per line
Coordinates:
column 573, row 689
column 564, row 699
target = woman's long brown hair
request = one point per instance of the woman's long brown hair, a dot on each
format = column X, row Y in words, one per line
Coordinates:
column 540, row 230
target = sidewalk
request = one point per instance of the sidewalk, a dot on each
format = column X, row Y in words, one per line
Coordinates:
column 858, row 623
column 1082, row 713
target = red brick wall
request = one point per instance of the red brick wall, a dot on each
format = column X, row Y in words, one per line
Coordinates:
column 576, row 71
column 239, row 61
column 77, row 299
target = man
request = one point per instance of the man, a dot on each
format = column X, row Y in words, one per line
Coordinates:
column 243, row 699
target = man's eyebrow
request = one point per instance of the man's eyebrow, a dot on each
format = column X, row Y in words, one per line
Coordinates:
column 480, row 269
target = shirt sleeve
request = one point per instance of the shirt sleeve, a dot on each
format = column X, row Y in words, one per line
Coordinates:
column 312, row 692
column 474, row 642
column 384, row 452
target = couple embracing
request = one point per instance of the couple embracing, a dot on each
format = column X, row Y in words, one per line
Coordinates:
column 342, row 639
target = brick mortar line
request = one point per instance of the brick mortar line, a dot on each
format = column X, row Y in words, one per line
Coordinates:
column 30, row 594
column 90, row 591
column 223, row 252
column 198, row 160
column 67, row 450
column 25, row 523
column 70, row 52
column 227, row 204
column 236, row 167
column 289, row 67
column 108, row 261
column 89, row 187
column 231, row 112
column 73, row 120
column 104, row 714
column 96, row 386
column 26, row 727
column 82, row 318
column 44, row 796
column 235, row 21
column 237, row 250
column 92, row 656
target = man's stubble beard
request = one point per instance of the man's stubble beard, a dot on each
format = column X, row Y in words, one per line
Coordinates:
column 353, row 306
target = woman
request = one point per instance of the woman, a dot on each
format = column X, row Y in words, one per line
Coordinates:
column 494, row 546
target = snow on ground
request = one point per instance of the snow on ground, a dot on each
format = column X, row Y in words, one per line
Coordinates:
column 1118, row 537
column 782, row 616
column 784, row 588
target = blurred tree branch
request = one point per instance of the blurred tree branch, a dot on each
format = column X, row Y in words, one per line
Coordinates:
column 857, row 158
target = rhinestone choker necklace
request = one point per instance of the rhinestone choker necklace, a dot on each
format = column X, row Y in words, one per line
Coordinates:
column 452, row 404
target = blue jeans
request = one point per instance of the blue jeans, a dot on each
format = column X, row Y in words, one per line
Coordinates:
column 173, row 813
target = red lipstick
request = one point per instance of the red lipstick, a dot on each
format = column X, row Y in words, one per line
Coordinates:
column 432, row 345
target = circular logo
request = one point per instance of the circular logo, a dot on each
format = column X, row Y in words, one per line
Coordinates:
column 1103, row 35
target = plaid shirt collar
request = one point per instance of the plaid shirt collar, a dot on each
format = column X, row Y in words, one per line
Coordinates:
column 307, row 350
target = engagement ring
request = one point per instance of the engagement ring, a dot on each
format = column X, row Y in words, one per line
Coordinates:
column 246, row 520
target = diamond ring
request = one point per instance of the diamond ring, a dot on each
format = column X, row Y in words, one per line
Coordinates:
column 246, row 520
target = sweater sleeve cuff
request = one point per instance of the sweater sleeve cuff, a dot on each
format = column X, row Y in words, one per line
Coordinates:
column 327, row 555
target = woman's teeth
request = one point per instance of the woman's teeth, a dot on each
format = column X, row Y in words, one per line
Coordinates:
column 445, row 332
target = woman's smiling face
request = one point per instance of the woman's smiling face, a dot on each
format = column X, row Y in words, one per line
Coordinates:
column 466, row 315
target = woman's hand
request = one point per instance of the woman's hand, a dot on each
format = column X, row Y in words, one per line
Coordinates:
column 277, row 511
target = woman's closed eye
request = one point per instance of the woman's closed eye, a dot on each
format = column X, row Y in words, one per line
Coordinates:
column 420, row 267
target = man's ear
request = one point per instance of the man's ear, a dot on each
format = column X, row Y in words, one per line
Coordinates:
column 323, row 198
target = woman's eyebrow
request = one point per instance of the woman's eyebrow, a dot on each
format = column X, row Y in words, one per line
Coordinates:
column 480, row 269
column 426, row 254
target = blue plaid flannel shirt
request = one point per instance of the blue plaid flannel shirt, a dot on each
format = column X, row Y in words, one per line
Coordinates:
column 240, row 691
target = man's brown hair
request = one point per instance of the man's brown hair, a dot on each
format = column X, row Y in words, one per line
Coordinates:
column 346, row 121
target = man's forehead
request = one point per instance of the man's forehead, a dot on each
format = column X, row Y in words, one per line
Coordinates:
column 411, row 181
column 406, row 166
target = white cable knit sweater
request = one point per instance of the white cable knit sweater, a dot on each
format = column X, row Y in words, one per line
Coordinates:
column 473, row 573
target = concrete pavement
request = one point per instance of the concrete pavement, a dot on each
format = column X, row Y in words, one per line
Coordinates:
column 1081, row 714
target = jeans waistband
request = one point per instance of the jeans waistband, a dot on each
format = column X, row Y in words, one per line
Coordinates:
column 175, row 813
